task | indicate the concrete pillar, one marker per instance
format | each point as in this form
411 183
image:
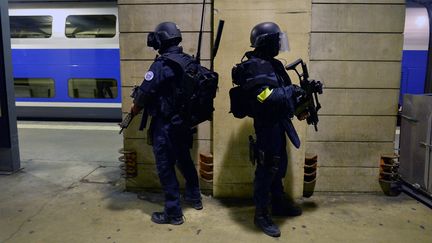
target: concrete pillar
9 153
356 49
233 173
136 19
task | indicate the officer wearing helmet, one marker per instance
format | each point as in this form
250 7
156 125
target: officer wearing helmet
169 131
272 101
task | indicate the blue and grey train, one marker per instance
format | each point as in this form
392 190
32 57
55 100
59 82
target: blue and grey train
415 51
66 61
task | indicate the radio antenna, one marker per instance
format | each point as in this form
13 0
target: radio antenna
198 55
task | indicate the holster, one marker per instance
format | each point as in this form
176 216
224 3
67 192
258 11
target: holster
275 164
258 156
253 150
267 160
150 134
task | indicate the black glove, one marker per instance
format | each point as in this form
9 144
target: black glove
301 102
299 95
317 86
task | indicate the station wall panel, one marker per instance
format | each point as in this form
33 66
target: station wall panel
356 46
358 18
379 102
136 19
357 74
354 128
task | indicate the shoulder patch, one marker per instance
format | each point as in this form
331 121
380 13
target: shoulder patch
149 76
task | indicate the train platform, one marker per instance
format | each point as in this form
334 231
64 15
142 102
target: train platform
69 191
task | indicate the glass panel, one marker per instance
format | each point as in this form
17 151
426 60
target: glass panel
31 26
90 26
34 87
95 88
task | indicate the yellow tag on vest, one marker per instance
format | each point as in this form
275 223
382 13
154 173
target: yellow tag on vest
264 95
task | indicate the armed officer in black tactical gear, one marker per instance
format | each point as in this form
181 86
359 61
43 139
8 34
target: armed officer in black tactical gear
272 102
170 132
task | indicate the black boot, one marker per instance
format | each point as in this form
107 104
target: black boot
162 218
195 203
263 221
284 207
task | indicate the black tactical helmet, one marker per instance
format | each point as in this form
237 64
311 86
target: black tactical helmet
166 33
262 33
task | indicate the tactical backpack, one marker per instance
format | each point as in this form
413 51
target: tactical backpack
196 91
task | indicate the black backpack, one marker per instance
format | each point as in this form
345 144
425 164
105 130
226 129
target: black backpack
197 90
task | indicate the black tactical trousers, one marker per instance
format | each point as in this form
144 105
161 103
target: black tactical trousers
171 147
269 172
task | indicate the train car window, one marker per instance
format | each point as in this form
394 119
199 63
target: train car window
34 87
90 26
31 26
93 88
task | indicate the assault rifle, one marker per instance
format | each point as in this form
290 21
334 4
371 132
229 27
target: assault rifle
308 102
128 118
125 122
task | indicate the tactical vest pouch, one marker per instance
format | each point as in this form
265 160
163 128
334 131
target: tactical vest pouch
239 102
202 99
